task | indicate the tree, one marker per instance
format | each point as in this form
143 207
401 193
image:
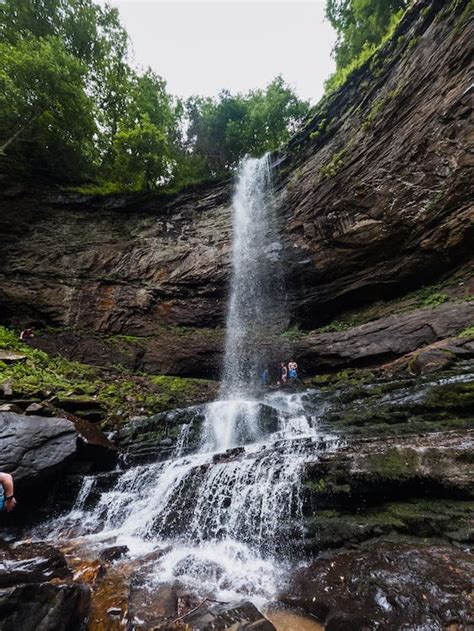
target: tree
92 44
222 131
360 23
144 156
46 118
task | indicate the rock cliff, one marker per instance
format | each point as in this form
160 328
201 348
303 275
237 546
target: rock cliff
375 191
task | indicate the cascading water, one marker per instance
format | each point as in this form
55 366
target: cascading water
224 517
257 305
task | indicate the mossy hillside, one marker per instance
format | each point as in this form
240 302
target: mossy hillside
119 392
419 517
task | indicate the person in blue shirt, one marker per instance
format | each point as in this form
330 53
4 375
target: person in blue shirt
293 370
7 497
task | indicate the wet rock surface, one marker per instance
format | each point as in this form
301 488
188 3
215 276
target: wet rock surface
388 584
242 617
31 563
44 607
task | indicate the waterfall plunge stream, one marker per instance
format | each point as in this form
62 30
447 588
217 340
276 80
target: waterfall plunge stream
224 513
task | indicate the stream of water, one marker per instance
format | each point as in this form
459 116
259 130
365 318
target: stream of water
223 516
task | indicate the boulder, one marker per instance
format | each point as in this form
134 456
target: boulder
31 563
387 584
44 607
33 448
384 339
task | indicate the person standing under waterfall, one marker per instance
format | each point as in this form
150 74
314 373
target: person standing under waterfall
293 370
265 378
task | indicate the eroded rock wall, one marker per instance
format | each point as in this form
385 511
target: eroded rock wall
374 191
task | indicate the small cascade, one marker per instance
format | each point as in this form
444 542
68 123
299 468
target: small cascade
229 515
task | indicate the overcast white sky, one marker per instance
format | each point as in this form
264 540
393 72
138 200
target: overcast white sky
203 47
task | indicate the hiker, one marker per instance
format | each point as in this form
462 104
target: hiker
265 378
283 373
293 370
7 498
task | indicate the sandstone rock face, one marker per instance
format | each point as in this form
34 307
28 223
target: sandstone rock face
126 265
375 190
201 354
379 182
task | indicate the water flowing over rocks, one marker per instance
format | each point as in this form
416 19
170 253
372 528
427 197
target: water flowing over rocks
350 497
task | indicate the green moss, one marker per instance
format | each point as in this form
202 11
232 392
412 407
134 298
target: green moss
119 392
435 299
393 463
292 333
469 332
332 167
379 106
453 396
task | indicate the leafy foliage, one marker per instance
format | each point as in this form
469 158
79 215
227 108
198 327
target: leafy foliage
74 111
223 130
361 26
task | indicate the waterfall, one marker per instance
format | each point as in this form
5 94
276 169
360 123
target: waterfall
257 308
257 305
226 518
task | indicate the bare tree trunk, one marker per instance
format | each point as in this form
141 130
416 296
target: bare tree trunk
18 133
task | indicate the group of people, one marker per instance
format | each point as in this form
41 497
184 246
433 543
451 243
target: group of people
287 374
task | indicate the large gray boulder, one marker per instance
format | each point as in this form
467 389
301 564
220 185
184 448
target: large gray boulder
34 448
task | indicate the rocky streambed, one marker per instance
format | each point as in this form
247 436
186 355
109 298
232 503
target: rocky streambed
378 534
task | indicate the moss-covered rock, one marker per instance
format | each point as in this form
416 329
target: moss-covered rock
114 394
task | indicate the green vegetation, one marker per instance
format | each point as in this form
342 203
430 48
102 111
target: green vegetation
223 130
436 298
419 517
73 111
119 392
468 332
362 26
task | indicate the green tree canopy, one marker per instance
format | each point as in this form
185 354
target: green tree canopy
359 24
222 130
46 117
73 110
